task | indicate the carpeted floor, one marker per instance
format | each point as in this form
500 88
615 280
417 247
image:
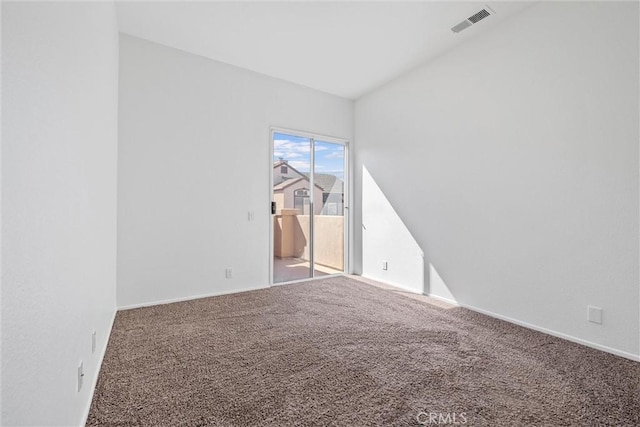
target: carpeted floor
346 353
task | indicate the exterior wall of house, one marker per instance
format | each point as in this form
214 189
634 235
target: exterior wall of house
285 198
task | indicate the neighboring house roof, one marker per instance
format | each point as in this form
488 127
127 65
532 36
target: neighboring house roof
278 179
329 183
326 182
288 182
285 163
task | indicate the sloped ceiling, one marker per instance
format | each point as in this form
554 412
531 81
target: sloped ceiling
343 48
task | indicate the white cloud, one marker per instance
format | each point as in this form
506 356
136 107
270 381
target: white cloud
290 150
287 155
287 146
335 155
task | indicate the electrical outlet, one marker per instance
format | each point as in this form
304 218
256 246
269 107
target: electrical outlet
93 342
228 273
385 265
594 314
80 376
251 216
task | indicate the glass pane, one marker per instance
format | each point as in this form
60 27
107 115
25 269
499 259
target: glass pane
329 221
291 194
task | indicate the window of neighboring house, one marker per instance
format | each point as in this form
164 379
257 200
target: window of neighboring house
301 200
331 208
284 169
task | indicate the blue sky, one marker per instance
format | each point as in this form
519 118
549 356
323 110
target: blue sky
296 150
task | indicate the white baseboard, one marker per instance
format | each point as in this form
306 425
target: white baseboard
626 355
443 299
94 383
147 304
395 285
190 297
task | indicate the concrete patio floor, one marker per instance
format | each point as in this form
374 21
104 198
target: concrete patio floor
290 269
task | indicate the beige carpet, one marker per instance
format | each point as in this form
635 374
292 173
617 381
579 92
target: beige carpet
342 352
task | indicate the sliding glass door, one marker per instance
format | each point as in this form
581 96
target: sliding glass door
308 206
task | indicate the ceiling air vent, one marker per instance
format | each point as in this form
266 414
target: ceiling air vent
473 19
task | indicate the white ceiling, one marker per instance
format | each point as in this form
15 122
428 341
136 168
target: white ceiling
343 48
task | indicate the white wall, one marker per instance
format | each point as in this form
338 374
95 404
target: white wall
384 228
193 161
59 130
513 163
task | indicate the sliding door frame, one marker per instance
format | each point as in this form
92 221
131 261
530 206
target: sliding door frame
346 195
